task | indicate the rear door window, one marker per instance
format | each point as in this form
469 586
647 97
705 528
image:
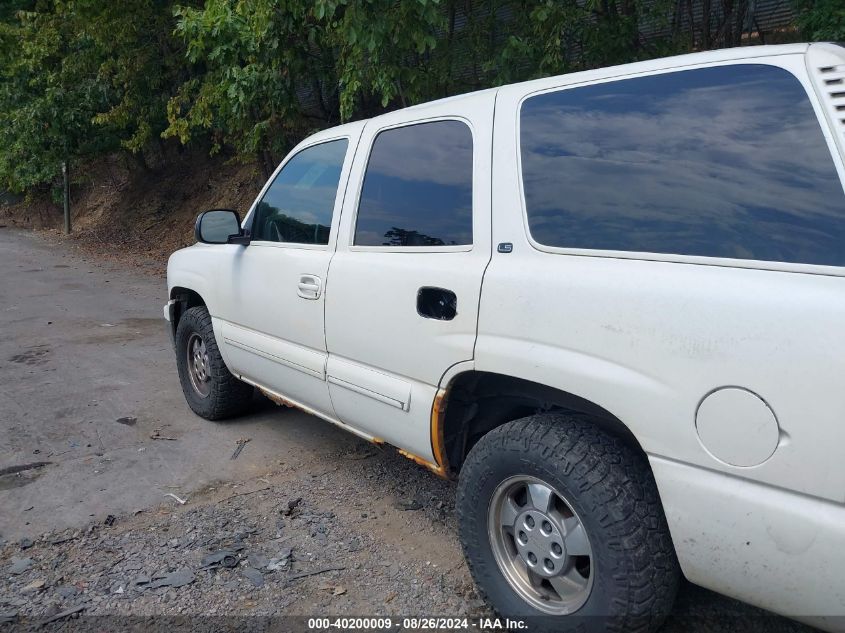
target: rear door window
727 161
417 188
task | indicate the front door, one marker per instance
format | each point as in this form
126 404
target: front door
271 322
404 285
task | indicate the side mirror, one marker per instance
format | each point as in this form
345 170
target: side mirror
220 226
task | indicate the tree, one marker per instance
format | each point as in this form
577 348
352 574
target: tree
48 96
81 78
252 64
140 66
821 20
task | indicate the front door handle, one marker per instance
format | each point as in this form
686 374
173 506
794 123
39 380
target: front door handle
309 287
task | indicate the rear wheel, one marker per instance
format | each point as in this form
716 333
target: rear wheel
562 524
209 387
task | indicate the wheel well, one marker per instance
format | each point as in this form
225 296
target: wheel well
185 298
477 402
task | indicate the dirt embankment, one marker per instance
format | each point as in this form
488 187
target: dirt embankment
125 212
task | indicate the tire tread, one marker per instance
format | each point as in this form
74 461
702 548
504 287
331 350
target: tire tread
616 481
229 396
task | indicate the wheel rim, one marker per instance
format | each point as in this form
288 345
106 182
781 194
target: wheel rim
199 368
540 545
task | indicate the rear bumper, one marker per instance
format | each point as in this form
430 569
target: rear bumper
776 549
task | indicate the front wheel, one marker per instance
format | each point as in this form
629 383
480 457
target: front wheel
210 389
562 524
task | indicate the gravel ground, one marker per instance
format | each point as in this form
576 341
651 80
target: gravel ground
310 538
394 554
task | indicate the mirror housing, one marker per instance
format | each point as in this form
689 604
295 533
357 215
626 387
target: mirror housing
220 226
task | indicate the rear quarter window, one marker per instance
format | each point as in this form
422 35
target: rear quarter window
727 161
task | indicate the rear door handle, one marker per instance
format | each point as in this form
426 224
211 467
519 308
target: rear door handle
437 303
309 287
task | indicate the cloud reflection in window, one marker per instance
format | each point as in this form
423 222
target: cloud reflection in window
417 189
723 162
299 205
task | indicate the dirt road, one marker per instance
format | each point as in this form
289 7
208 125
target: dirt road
95 434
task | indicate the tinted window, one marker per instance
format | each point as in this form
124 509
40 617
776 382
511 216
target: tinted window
721 162
298 205
418 187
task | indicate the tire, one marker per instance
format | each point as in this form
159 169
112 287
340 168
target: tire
214 394
629 577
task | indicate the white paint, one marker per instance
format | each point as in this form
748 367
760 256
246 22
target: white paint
767 546
372 325
737 427
369 382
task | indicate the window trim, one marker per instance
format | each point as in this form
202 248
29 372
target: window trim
796 68
446 248
336 209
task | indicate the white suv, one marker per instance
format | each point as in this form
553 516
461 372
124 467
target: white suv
611 303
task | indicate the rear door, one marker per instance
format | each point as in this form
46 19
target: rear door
404 284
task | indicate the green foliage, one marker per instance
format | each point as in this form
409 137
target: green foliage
554 37
79 78
264 72
821 20
140 66
385 50
47 97
247 59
